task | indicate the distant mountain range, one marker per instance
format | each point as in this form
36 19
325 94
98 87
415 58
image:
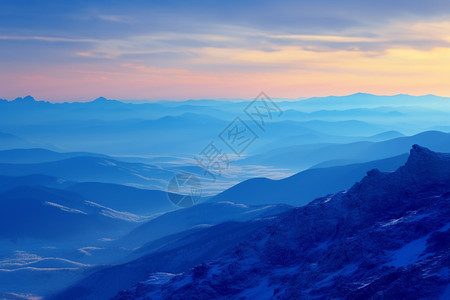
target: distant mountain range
94 169
363 100
10 141
110 126
305 156
40 155
10 182
303 187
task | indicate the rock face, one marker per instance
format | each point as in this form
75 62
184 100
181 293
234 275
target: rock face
388 237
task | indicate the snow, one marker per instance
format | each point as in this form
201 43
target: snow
86 250
28 261
105 239
259 209
107 163
111 213
264 219
411 217
233 204
201 226
22 296
159 278
409 253
65 208
327 199
392 222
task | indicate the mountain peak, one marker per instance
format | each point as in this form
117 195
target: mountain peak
424 170
101 99
420 155
361 94
374 173
27 99
419 151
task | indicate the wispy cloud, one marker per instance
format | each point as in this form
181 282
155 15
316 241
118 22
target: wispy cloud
47 39
231 48
326 38
117 18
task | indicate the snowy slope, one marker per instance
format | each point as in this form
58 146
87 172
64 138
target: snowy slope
205 214
51 214
385 238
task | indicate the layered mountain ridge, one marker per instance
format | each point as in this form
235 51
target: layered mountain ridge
387 237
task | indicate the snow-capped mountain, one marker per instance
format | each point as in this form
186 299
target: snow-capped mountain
388 237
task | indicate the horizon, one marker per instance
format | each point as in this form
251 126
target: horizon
236 100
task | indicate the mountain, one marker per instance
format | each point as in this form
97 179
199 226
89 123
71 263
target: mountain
95 169
317 138
124 198
385 238
57 268
174 252
27 99
304 186
306 156
6 137
347 114
363 100
110 126
29 273
343 128
39 155
10 182
387 135
8 141
114 136
204 214
50 214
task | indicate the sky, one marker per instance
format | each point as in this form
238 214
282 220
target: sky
177 50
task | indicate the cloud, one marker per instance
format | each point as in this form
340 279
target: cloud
47 39
117 18
295 48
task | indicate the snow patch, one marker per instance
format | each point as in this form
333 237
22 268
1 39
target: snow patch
409 253
201 226
86 250
114 214
233 204
107 163
159 278
65 208
259 209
